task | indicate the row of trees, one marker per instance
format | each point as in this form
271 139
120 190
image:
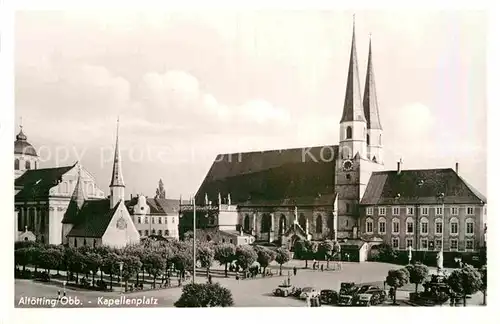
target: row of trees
461 282
312 250
157 258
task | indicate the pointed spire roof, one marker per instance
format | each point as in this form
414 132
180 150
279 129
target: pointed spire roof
79 195
370 103
117 176
353 107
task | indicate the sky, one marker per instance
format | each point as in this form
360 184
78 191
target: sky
188 85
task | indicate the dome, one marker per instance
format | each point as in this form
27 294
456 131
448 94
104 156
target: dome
21 145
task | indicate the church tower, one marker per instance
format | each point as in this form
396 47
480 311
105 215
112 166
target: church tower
117 186
355 164
370 106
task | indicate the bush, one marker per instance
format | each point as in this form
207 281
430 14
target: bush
205 295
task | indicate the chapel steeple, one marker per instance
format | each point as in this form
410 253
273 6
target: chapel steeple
117 186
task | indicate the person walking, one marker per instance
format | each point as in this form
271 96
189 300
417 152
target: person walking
322 267
294 271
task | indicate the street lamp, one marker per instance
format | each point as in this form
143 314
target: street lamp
121 269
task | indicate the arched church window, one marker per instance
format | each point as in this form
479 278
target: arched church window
319 224
84 242
302 221
265 225
282 225
28 165
347 208
246 222
368 139
16 164
75 242
380 139
348 132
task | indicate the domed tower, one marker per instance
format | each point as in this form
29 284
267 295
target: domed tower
25 156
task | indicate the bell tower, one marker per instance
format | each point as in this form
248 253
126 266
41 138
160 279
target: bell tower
352 149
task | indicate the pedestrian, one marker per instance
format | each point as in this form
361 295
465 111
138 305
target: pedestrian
294 271
288 281
321 267
59 294
237 277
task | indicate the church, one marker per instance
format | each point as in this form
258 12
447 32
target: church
341 192
63 205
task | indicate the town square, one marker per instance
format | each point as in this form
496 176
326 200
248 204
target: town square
359 180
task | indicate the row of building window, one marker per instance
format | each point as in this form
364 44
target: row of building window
94 242
348 135
27 165
153 232
425 244
154 219
423 210
424 226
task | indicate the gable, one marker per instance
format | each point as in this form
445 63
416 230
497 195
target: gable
92 220
120 229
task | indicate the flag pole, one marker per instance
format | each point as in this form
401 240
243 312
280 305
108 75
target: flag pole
194 239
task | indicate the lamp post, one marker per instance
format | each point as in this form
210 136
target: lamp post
194 239
121 270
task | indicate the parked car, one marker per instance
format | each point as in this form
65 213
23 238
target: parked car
297 292
377 295
364 300
284 291
348 291
345 300
329 297
308 292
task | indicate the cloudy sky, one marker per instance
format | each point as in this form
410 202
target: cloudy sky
190 85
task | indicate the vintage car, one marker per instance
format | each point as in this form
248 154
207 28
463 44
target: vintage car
284 291
347 293
364 300
377 295
308 292
345 300
328 297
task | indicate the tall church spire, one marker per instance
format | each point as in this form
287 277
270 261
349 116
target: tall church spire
117 186
353 108
370 103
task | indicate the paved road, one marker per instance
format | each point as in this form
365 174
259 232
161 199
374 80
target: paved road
246 293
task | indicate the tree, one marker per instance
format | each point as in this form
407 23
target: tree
282 257
484 279
385 253
94 262
417 274
224 254
245 256
131 266
205 295
22 257
300 250
328 249
397 279
465 281
154 264
205 255
264 256
188 235
110 266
